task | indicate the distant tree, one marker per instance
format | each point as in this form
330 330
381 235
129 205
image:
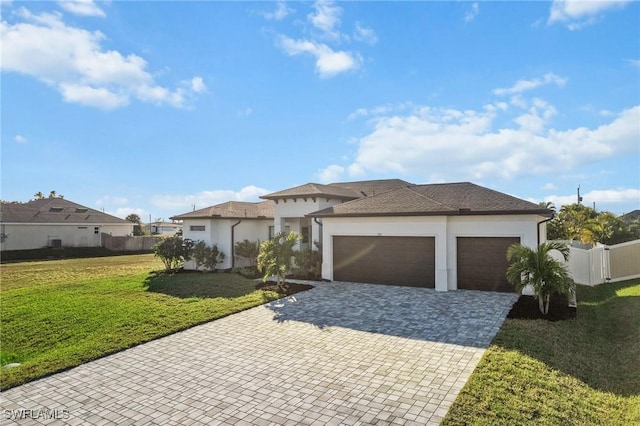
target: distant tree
52 194
38 195
547 205
138 229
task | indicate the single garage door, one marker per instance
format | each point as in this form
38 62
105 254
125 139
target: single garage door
406 261
482 263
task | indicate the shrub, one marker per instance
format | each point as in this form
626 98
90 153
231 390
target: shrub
308 263
207 256
173 252
248 250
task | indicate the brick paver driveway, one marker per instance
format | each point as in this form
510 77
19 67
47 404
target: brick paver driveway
338 354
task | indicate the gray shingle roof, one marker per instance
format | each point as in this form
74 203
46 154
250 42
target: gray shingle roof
232 210
341 190
435 199
54 211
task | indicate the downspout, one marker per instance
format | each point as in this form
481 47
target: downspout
315 219
541 222
233 256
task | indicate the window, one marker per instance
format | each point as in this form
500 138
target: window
272 232
196 228
96 230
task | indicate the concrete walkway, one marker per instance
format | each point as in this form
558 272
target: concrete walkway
338 354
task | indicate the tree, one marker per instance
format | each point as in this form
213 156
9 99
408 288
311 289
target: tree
173 252
206 256
537 268
138 229
38 195
274 257
547 205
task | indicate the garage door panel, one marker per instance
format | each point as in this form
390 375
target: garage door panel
385 260
482 263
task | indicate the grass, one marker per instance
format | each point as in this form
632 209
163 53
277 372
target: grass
580 371
62 313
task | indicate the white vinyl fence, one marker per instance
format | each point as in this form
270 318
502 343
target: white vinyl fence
604 264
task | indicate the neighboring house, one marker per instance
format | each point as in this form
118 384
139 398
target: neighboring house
226 224
56 222
444 236
164 228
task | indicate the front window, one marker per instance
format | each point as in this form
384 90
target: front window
196 228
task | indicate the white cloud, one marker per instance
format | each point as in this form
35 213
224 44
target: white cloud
464 144
366 35
281 12
577 14
549 187
604 196
332 173
183 203
245 112
123 212
108 200
634 62
525 85
20 139
82 7
328 62
326 18
73 61
197 85
472 12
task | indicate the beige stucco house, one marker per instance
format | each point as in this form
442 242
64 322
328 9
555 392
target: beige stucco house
445 236
56 222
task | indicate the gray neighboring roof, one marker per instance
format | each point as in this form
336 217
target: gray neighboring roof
55 211
231 210
462 198
341 190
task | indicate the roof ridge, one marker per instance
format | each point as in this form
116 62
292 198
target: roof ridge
411 188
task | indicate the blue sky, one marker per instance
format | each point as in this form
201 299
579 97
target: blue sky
154 107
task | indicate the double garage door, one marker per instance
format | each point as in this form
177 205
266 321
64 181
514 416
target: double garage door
410 261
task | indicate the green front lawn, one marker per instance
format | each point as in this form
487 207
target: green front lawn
59 314
582 371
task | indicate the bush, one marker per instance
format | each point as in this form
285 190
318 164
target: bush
248 250
308 263
275 255
173 252
207 257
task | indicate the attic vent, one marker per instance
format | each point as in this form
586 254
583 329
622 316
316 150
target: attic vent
56 209
78 210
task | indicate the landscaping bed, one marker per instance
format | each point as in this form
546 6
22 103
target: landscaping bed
527 308
291 288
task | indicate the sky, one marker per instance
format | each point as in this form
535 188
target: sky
157 107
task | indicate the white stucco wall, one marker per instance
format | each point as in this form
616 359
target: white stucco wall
286 212
445 230
35 236
218 231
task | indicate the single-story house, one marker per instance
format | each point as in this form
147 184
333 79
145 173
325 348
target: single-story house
56 222
227 224
164 228
444 236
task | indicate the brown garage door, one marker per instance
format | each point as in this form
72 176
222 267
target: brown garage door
482 263
406 261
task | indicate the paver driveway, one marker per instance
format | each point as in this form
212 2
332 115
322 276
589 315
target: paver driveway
338 354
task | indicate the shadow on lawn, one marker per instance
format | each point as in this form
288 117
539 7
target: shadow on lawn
199 285
601 347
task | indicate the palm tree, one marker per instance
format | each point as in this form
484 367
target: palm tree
39 195
274 257
537 268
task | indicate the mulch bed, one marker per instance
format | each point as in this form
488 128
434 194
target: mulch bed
292 288
527 308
